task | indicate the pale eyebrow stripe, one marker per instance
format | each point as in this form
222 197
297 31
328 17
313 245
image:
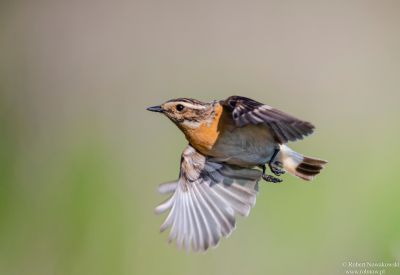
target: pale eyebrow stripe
192 106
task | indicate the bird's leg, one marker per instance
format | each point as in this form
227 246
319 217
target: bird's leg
269 178
274 169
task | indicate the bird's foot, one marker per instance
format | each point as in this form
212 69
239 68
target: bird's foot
277 171
270 178
274 165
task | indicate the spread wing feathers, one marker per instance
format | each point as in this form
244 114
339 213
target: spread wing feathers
205 200
284 126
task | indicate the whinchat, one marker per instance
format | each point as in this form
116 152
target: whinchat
218 178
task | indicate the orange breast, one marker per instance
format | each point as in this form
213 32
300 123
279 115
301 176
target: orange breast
205 136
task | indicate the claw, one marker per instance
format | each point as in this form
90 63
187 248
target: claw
270 178
275 165
276 171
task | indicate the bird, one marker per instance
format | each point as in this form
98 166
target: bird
230 144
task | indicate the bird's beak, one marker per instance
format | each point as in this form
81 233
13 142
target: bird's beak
157 109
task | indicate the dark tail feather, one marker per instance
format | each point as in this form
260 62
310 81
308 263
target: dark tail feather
298 165
309 168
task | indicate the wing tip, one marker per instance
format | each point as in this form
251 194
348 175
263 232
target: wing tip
204 212
167 187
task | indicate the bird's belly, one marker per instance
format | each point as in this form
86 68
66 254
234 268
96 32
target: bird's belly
247 146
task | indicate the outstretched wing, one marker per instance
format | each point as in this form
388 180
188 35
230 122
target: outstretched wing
283 126
205 200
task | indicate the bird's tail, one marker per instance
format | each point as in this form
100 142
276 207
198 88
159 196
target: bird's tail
298 165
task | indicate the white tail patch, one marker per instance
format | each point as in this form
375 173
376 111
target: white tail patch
298 165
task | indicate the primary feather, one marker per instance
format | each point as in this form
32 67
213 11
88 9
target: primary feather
204 203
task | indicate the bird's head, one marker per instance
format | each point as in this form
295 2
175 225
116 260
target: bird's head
186 113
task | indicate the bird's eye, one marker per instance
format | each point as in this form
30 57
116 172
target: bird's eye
180 107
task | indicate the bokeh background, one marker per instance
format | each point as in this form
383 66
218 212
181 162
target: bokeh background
80 158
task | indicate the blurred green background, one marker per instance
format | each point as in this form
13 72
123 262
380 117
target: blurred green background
80 158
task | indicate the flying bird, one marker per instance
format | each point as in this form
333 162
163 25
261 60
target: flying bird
218 179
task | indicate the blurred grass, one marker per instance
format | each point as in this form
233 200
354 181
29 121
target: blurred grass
80 158
69 210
